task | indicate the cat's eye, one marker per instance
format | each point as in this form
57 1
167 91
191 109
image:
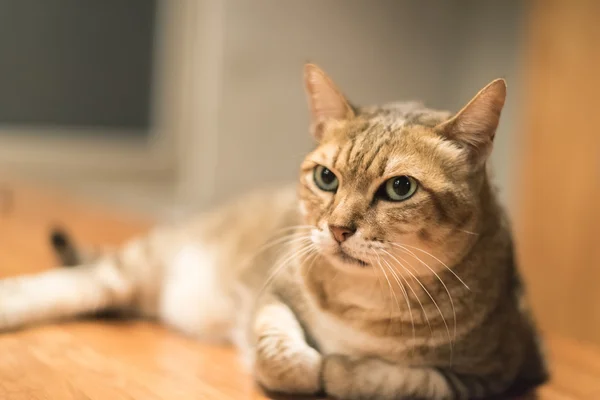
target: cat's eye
399 188
325 179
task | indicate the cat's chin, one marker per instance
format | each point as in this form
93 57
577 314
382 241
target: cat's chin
348 259
346 262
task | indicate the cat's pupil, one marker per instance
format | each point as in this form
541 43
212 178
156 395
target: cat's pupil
327 176
401 185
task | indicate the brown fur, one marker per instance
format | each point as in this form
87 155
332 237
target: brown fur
419 298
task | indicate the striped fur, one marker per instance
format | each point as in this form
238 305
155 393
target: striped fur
424 301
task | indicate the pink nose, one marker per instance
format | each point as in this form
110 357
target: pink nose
341 233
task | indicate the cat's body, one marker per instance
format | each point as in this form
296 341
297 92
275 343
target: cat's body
330 285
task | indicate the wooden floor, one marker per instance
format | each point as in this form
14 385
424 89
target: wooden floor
140 360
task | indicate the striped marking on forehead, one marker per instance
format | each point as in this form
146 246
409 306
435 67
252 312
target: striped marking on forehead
363 144
390 122
379 154
363 152
393 116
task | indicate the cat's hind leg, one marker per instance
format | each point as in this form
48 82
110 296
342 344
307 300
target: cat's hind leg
63 293
113 281
165 275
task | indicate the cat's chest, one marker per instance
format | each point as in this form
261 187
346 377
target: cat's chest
335 336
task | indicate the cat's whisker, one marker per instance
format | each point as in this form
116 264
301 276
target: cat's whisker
435 258
292 227
391 289
294 239
412 290
468 232
282 264
441 281
372 262
450 340
274 242
315 256
405 293
296 231
445 288
291 255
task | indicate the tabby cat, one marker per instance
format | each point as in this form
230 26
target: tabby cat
387 272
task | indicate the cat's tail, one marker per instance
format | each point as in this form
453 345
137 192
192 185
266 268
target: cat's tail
66 251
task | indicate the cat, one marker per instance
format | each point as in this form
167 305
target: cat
387 271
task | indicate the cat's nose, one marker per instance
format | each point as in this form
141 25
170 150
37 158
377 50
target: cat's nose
341 233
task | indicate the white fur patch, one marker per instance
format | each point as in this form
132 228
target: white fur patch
192 297
336 337
239 333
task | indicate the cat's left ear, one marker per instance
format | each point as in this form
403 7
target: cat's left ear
325 100
475 125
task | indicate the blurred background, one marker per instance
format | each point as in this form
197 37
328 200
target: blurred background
167 106
188 102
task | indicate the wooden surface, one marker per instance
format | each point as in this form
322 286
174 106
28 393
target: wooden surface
140 360
98 359
559 200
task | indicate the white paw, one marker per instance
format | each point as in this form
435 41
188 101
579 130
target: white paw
292 372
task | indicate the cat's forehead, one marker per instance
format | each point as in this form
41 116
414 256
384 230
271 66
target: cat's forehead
395 116
371 147
374 147
393 122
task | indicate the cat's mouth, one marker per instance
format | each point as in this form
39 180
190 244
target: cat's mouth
349 259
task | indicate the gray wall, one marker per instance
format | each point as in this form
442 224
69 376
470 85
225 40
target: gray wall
377 51
241 119
84 63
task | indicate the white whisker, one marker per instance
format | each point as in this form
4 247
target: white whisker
441 281
447 292
450 339
372 262
413 291
275 241
390 288
282 264
315 256
438 260
468 232
405 294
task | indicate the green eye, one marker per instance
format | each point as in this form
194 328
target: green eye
325 179
399 188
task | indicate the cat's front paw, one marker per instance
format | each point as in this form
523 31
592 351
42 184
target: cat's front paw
293 372
337 376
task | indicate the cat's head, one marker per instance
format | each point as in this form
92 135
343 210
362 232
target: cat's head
399 183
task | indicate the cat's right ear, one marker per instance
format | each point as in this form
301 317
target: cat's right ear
325 100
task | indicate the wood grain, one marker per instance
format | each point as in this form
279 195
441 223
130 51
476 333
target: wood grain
107 359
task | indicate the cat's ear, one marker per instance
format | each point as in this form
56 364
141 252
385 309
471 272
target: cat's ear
325 100
475 125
